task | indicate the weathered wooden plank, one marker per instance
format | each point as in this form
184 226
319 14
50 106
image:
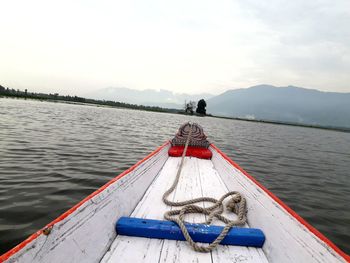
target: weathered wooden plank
212 185
73 236
287 240
197 179
189 187
132 249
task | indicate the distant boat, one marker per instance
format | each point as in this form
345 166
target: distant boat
87 231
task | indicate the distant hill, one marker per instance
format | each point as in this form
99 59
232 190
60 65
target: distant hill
285 104
161 98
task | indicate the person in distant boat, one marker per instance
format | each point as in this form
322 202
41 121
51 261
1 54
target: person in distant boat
201 107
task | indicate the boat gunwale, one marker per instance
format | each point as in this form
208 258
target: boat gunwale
35 235
294 214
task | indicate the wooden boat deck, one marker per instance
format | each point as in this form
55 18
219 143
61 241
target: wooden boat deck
198 178
86 232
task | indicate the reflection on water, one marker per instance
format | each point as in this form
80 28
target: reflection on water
52 155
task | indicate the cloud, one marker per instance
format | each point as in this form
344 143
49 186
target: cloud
184 46
311 41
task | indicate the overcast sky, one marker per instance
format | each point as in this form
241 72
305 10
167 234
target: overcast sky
73 47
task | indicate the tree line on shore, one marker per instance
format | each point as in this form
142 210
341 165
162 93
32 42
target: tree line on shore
7 92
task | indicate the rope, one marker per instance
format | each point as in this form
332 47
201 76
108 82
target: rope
197 139
237 205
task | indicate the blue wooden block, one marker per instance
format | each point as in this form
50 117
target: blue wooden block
131 226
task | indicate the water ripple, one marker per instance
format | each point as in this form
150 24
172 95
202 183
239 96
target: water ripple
52 155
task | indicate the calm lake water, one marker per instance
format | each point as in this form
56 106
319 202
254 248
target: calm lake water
52 155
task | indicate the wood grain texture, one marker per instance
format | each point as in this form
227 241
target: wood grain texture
85 234
212 185
287 240
197 179
189 187
88 234
134 249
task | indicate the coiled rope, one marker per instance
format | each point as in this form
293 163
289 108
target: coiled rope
197 138
237 204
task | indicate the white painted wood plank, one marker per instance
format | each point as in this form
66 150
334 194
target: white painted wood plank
85 234
152 206
134 249
213 186
198 178
189 187
287 240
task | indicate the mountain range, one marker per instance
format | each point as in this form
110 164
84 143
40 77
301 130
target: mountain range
262 102
285 104
148 97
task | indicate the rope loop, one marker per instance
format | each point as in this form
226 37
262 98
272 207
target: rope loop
236 204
